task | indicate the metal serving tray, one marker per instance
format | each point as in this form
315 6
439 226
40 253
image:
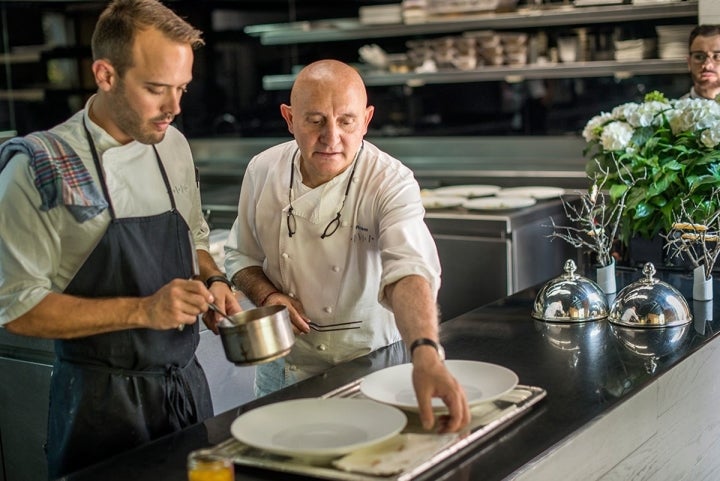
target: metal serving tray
485 423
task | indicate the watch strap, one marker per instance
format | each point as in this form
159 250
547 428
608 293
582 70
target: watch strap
212 279
424 341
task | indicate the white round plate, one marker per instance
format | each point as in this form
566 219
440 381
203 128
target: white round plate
441 201
499 203
316 428
466 190
536 192
482 382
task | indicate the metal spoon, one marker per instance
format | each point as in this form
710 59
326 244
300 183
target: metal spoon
220 311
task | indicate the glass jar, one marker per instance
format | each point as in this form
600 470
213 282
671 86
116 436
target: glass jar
204 465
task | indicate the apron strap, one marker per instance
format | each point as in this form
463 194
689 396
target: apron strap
179 400
101 176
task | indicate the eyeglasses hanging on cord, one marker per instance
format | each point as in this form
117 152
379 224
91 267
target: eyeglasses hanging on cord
334 224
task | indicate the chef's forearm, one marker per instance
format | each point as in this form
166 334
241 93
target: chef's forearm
414 307
253 282
208 267
61 316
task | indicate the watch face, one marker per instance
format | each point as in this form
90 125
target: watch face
441 352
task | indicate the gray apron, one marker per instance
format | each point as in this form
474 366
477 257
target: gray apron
115 391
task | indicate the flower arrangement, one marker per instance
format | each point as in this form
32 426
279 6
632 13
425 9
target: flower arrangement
653 156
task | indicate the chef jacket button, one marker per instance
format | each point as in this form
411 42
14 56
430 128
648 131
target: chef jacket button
292 367
336 268
291 294
322 347
327 309
285 255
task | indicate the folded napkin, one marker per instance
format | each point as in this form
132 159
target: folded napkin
395 455
60 176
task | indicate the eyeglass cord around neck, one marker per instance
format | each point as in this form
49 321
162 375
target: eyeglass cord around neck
334 224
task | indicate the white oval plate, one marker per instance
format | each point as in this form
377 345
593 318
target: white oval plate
499 203
316 428
536 192
482 382
466 190
441 201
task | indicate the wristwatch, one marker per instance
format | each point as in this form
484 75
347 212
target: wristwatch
424 341
210 280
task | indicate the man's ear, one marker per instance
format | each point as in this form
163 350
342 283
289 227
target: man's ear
104 73
286 112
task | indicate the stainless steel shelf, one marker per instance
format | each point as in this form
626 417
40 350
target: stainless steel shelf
20 57
351 29
509 73
23 95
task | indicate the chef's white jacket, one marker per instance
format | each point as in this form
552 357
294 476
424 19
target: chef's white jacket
42 250
382 238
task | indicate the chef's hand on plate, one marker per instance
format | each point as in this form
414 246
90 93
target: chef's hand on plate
227 302
431 379
295 309
178 302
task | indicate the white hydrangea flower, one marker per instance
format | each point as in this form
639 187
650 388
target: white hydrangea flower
693 115
710 137
624 111
616 136
647 114
591 130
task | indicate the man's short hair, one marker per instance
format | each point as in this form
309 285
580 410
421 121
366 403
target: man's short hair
703 31
122 19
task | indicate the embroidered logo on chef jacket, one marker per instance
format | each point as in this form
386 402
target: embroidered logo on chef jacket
363 234
180 189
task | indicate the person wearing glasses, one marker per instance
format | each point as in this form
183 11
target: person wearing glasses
704 62
332 227
99 216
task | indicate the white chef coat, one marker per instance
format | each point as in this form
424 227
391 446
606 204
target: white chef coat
691 95
382 238
40 251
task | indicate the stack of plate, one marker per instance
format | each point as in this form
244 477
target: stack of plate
380 14
673 40
455 195
633 50
488 197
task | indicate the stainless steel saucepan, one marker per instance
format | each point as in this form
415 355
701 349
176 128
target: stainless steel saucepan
257 335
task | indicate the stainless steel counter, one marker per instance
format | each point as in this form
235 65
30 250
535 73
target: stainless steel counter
487 256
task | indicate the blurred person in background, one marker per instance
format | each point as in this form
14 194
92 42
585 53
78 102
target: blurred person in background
704 62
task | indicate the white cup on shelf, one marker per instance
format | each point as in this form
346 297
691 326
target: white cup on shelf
567 49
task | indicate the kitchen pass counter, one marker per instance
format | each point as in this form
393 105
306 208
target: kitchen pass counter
620 404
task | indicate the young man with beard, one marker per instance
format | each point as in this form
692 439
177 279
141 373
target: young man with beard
99 217
704 61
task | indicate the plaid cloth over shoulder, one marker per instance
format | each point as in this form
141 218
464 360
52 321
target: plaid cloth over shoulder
60 176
